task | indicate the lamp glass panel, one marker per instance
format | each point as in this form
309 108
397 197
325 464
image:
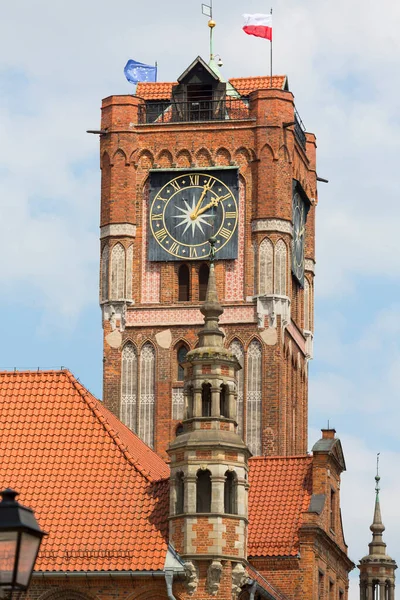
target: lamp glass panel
27 556
8 550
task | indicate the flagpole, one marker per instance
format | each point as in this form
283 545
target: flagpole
156 66
271 52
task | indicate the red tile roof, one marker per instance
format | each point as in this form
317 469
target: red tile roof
155 91
244 85
95 487
280 491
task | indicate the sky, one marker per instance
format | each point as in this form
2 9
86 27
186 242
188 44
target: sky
59 59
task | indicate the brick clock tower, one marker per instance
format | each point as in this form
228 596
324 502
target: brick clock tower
182 162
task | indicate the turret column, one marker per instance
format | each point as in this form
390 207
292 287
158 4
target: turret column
211 534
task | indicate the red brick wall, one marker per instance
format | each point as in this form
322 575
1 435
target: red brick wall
268 157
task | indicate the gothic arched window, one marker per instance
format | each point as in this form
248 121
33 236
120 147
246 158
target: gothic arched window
117 272
280 268
183 283
265 270
129 386
206 400
230 493
181 357
203 491
204 273
147 394
237 350
105 256
254 416
180 493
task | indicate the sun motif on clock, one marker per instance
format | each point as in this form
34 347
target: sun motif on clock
189 208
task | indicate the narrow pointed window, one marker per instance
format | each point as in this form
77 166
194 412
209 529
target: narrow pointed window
147 394
206 400
204 273
129 386
253 405
117 272
129 261
280 268
181 357
105 256
306 305
265 269
183 284
203 491
237 349
230 493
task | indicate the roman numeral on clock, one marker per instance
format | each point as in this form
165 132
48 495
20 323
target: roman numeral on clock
175 185
156 217
174 249
194 179
161 235
192 252
230 215
225 233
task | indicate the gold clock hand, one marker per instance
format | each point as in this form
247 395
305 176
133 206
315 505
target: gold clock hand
203 193
214 202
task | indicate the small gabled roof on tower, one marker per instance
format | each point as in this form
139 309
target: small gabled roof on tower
198 62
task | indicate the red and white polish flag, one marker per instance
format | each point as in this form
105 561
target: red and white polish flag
258 25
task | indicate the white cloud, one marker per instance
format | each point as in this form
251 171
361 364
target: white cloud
58 59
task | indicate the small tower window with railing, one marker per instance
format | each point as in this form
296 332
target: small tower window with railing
206 400
180 493
203 491
230 493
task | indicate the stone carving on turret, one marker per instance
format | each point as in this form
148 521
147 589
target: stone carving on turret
192 577
214 574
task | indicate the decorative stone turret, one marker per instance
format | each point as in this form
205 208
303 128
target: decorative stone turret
209 461
377 568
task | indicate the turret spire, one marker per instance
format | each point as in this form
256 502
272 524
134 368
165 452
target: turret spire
370 578
211 335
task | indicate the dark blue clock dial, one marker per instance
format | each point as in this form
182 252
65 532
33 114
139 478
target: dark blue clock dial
299 214
186 209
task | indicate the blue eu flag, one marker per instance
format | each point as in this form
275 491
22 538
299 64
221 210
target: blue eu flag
137 71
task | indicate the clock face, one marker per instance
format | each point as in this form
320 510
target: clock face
299 224
186 209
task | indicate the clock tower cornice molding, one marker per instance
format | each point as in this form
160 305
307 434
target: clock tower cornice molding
279 225
117 230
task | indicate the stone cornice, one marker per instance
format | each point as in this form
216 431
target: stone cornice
279 225
309 265
118 230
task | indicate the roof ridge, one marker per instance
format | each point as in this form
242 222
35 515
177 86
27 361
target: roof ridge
282 457
91 402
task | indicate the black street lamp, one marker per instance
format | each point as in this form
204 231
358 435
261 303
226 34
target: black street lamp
20 539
